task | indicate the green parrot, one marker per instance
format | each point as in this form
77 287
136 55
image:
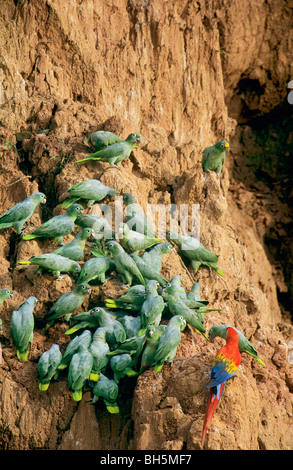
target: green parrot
55 264
114 154
21 212
131 324
67 304
169 341
177 306
152 308
153 257
214 156
5 294
101 139
95 269
75 249
194 293
58 226
99 349
125 264
115 332
48 366
152 336
244 344
22 327
131 300
90 190
71 348
79 369
122 366
176 281
100 225
108 390
147 271
135 241
192 249
136 218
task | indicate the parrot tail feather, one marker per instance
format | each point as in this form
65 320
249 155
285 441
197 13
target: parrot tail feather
217 269
62 366
113 409
71 330
30 236
22 356
259 360
158 367
70 200
24 262
43 387
77 395
205 336
213 401
141 332
94 376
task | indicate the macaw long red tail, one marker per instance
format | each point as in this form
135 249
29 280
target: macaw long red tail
213 401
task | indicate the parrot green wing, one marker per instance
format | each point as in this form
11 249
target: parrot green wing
128 264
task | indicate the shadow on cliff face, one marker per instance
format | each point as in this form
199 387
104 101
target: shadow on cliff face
263 164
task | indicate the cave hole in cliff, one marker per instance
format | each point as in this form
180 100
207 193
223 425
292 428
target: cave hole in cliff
264 165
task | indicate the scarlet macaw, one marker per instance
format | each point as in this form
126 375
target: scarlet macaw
225 366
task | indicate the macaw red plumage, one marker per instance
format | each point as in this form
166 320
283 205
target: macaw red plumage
225 366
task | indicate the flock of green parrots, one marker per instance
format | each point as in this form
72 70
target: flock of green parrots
141 328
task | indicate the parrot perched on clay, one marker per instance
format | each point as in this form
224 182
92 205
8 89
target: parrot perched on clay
192 249
152 308
226 363
5 294
100 225
244 344
101 139
122 366
153 257
114 154
58 226
83 320
152 336
115 332
131 300
136 218
72 347
108 390
147 271
54 264
95 269
99 349
17 215
125 264
169 341
90 190
67 304
194 293
79 369
75 249
176 281
22 327
177 306
214 156
48 366
135 241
